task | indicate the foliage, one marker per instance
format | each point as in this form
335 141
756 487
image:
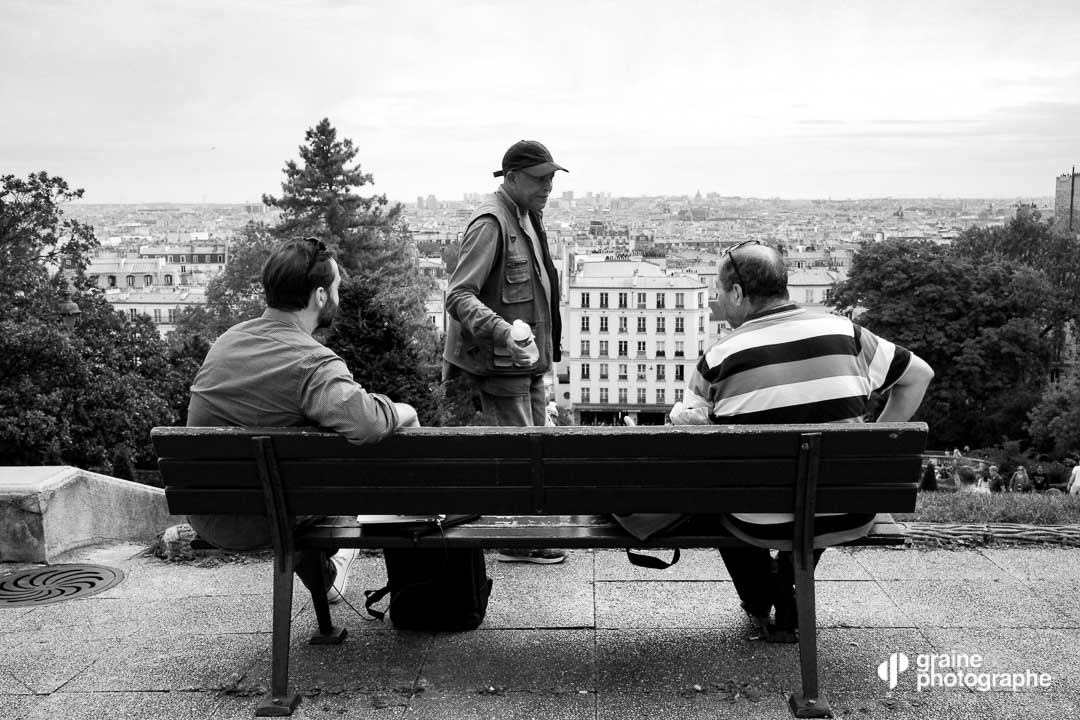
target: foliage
86 396
1054 422
978 323
1027 508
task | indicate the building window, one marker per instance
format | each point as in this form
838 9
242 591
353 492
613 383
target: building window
701 300
660 325
183 258
157 315
584 371
584 348
603 348
659 301
584 323
622 324
168 258
603 300
622 396
148 280
584 300
623 348
679 373
221 258
641 301
585 395
641 371
603 323
809 295
641 396
679 327
172 315
183 269
679 349
168 279
623 370
603 371
700 347
603 395
678 394
679 300
112 281
622 300
641 348
133 313
660 351
661 371
701 323
660 396
641 325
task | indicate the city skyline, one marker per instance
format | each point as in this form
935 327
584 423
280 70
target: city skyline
193 103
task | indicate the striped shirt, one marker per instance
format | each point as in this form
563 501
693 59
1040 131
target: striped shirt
792 365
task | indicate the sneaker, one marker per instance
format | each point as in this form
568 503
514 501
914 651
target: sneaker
542 556
340 564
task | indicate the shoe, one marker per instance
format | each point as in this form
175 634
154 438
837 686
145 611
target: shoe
762 628
340 564
542 556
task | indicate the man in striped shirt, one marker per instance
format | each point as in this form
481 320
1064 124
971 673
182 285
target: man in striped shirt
786 364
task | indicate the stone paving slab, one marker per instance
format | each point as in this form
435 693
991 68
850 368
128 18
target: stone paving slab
1062 595
674 660
20 707
920 564
1035 562
45 667
666 605
10 685
694 565
514 660
505 706
124 706
694 706
1017 651
182 663
857 604
971 603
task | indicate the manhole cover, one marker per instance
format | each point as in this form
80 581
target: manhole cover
42 586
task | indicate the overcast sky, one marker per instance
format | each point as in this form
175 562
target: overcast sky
145 101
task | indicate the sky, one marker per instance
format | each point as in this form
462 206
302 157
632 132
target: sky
196 101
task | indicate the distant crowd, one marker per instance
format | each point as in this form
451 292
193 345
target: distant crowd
956 471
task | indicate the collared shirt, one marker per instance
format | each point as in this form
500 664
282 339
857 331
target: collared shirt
270 372
527 225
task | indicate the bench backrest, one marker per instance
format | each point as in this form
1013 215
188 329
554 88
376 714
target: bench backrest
536 471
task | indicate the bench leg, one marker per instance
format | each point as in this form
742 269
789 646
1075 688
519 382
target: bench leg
313 573
809 703
279 702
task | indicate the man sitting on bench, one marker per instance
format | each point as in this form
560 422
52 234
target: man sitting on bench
271 372
786 364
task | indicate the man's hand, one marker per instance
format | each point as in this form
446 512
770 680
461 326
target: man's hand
519 354
407 416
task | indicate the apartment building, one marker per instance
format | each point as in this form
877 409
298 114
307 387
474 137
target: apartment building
633 335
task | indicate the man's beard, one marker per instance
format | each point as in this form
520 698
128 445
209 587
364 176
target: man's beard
326 314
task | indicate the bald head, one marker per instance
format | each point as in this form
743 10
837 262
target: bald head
759 270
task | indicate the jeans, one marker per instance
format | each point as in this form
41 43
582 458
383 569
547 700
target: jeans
761 585
511 400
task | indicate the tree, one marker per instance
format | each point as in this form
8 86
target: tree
1055 420
383 332
86 396
978 324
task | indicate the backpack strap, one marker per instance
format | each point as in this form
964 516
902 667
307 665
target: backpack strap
648 561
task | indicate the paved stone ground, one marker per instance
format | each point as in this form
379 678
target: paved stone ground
592 638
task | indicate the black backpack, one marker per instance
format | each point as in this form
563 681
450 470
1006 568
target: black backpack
433 590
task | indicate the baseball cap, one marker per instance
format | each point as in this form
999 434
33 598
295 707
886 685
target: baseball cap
530 156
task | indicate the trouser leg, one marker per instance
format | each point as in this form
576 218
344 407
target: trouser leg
751 571
784 600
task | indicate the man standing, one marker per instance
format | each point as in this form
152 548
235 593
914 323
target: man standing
271 372
505 273
786 364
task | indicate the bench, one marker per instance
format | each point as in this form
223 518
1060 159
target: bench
539 487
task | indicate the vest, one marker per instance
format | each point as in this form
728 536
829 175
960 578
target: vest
512 291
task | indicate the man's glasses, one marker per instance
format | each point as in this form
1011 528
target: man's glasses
730 254
318 251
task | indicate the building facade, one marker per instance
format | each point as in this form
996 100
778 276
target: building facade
633 334
1067 202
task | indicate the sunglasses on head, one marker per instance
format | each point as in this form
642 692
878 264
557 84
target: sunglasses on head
730 254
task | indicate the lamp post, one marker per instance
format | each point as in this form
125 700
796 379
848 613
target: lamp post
68 311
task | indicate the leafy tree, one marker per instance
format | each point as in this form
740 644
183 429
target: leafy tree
1055 420
86 396
978 324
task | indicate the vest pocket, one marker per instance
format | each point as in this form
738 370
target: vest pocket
518 286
